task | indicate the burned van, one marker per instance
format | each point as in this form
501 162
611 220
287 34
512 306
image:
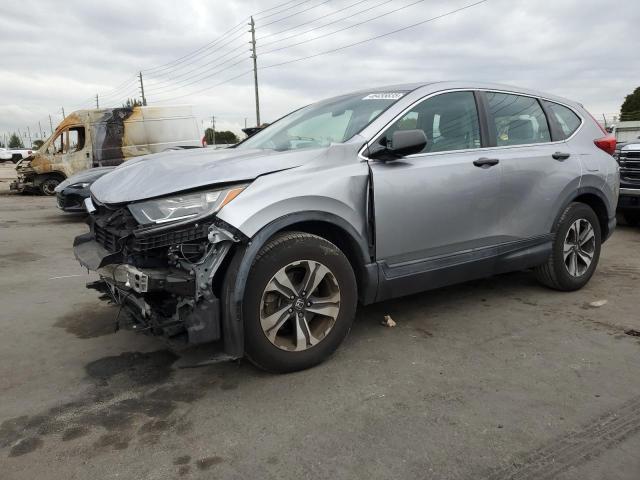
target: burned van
104 137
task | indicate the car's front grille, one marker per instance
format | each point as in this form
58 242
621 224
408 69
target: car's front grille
171 237
629 167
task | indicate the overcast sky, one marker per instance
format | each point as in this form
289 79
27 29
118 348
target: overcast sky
59 54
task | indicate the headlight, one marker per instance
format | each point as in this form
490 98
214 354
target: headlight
181 207
80 185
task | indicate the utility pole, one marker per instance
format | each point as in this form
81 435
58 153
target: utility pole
144 100
63 115
97 102
213 127
255 68
50 124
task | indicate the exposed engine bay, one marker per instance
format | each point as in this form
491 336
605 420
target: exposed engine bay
162 276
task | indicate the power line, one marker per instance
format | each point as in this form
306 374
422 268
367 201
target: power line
324 35
207 46
311 21
213 63
378 36
295 14
199 77
169 71
384 2
413 25
213 74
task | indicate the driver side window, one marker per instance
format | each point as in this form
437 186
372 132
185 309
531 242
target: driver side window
449 121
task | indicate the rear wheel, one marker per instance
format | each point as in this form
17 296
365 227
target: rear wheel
48 186
299 302
576 250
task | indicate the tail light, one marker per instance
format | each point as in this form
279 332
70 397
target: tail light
608 144
29 152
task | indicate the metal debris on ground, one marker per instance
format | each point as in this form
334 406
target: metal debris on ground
388 321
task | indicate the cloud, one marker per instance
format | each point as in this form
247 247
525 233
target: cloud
62 53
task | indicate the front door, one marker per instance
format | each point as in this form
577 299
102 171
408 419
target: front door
440 206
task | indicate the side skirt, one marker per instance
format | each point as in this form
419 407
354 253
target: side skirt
417 276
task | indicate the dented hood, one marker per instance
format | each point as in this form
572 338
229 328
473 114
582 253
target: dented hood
175 171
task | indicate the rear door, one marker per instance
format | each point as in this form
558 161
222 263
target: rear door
441 201
537 172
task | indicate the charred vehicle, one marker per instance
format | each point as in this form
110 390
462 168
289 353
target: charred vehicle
101 138
270 245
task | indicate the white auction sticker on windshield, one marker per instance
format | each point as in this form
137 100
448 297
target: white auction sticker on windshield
384 96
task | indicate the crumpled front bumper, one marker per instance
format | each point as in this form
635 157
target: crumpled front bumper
160 301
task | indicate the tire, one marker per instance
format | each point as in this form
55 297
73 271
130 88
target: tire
282 334
556 272
15 158
632 217
48 185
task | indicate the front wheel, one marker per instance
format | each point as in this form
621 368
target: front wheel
299 303
48 186
576 250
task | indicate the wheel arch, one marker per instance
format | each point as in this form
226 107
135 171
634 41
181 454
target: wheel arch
595 199
326 225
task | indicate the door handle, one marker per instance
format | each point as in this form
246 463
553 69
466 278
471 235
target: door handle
561 155
486 162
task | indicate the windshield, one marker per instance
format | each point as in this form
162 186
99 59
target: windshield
331 121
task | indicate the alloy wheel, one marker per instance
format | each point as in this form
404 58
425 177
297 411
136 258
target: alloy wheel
579 247
300 305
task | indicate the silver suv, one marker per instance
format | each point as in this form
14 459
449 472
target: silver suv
268 247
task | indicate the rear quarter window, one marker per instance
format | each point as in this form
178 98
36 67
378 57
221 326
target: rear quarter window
566 119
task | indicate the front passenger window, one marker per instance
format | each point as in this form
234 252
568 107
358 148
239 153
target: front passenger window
449 121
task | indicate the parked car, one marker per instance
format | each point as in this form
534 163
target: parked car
102 138
628 156
14 154
71 193
268 246
5 154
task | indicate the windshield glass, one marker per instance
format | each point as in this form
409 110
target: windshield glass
331 121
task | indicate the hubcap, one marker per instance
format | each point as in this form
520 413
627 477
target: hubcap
300 305
579 247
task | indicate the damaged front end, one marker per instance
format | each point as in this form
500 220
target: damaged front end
26 177
163 275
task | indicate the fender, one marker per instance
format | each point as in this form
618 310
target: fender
238 272
611 222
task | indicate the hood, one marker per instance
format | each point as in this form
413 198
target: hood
165 173
86 176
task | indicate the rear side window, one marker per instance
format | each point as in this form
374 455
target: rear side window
566 119
518 120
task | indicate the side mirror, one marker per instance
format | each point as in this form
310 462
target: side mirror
403 143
